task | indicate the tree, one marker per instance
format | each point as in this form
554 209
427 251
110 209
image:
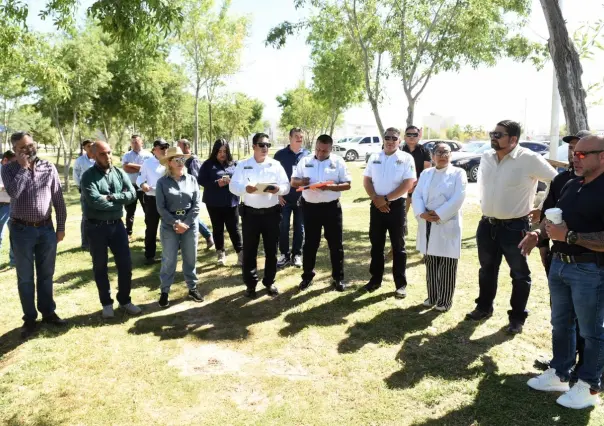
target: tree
454 133
421 38
567 64
300 108
70 74
212 44
589 39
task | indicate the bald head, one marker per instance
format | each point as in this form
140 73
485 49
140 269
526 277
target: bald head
102 154
588 158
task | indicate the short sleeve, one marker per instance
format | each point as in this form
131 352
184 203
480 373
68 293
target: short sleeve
125 159
344 175
427 155
298 170
369 169
410 172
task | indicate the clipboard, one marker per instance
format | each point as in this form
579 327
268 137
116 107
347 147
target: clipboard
261 187
315 185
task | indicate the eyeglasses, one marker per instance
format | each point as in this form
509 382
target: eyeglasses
582 154
179 160
442 153
412 135
497 135
391 138
163 148
263 145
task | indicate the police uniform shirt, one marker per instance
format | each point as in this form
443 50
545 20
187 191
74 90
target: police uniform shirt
387 172
331 169
582 208
249 172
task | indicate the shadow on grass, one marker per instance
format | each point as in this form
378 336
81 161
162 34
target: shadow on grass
389 326
228 318
503 400
11 340
428 355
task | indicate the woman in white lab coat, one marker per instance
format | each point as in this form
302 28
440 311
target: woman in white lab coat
437 202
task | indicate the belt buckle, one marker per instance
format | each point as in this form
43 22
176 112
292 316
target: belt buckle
492 220
36 224
180 212
565 258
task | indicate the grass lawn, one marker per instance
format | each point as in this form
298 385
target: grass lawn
312 358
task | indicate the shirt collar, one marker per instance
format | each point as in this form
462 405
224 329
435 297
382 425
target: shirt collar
515 152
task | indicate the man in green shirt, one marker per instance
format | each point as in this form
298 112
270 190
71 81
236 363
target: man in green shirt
106 190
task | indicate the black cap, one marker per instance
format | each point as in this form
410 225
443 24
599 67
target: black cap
580 135
160 142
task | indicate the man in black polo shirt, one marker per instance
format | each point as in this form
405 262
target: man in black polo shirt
421 156
576 279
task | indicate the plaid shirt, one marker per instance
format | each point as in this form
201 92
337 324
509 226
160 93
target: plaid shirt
34 192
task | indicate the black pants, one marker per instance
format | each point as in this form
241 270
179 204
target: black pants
495 241
131 209
441 276
394 223
228 217
113 237
256 223
580 340
327 216
152 223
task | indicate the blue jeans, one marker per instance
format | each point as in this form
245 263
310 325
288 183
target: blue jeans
286 213
83 235
34 246
204 230
114 237
577 291
494 242
4 217
170 242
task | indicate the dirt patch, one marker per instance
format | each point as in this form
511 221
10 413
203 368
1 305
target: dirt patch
211 359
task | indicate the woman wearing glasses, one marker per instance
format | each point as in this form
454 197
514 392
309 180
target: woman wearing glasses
437 201
177 196
215 176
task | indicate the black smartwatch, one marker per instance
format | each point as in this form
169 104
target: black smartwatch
571 237
386 198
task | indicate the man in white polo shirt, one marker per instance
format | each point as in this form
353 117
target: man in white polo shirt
132 162
387 179
260 213
321 208
507 181
150 172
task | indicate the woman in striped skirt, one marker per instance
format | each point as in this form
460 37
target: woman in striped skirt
437 202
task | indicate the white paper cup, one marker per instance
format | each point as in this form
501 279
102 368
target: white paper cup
554 215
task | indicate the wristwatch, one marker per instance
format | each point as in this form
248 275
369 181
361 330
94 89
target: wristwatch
386 198
571 237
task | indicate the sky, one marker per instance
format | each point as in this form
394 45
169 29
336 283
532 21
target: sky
478 97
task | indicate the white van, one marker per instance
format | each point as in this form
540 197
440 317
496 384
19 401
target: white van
358 147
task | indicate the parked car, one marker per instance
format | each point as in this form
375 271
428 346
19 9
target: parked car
454 145
344 140
468 149
471 162
538 147
358 147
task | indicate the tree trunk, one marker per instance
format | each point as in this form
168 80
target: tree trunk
410 110
567 64
67 158
196 129
210 129
6 123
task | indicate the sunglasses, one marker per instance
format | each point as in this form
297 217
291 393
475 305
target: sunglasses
412 135
163 148
582 154
391 138
263 145
442 153
497 135
179 160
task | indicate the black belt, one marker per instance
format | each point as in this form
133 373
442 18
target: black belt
180 212
44 222
495 221
326 203
103 222
4 204
577 258
268 210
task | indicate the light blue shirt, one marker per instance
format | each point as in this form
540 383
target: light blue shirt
82 163
135 158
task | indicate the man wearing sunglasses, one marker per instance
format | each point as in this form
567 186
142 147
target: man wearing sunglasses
507 180
150 172
576 279
387 179
260 180
421 156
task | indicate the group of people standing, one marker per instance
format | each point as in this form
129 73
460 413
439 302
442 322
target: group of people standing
266 192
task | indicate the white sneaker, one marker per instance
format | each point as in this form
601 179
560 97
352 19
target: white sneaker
108 312
428 304
579 397
400 293
548 382
298 261
441 308
221 258
131 309
283 261
240 258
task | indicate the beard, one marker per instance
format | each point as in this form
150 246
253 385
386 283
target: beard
495 145
32 155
